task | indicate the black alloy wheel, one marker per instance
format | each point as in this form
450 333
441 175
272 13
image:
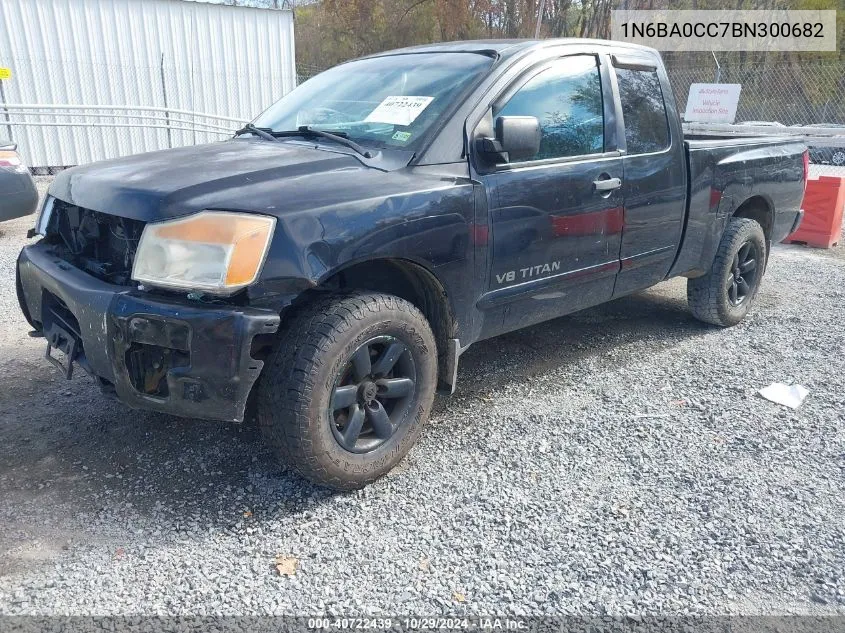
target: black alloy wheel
742 276
724 294
372 394
348 387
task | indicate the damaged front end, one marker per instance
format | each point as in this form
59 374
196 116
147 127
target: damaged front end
154 350
102 245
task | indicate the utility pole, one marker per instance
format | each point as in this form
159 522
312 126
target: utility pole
6 110
718 78
539 19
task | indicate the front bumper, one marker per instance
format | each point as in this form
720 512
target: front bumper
179 357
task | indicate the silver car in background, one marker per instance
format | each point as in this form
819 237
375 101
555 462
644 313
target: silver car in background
18 196
829 155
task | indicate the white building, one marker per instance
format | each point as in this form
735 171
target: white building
164 62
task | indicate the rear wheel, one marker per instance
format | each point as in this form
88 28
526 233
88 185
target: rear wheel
348 387
724 295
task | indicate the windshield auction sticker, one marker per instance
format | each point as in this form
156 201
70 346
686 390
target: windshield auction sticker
398 110
727 30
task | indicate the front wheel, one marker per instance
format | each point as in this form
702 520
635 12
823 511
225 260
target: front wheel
724 295
345 393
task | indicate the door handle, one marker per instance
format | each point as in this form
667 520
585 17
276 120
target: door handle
608 184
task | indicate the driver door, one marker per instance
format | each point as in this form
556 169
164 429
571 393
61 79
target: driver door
556 218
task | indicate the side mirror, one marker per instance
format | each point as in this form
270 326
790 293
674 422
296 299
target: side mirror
517 138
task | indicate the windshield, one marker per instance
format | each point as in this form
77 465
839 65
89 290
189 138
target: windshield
382 101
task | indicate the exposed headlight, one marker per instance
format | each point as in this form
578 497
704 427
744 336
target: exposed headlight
44 215
213 251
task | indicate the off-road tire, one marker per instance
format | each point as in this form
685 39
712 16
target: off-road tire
708 296
295 391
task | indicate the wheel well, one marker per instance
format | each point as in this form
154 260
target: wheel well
409 281
757 209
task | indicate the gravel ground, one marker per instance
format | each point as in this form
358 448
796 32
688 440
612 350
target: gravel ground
615 461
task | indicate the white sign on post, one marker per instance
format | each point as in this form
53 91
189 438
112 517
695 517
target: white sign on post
712 103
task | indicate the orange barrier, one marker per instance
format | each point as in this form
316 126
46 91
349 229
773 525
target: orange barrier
824 200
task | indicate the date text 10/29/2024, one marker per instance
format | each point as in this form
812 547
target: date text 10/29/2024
420 624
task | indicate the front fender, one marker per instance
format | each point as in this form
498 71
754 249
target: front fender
430 226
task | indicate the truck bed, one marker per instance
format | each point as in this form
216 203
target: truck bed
725 170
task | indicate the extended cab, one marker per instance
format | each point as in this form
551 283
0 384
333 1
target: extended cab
333 260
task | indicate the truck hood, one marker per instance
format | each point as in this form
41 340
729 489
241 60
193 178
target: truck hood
250 175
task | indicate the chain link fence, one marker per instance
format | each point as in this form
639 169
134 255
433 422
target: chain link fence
778 98
64 112
148 107
778 95
304 72
786 93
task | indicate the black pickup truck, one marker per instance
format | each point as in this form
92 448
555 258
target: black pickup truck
330 263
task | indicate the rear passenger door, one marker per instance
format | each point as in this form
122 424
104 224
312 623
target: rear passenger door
655 174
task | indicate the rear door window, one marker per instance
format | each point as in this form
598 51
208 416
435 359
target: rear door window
646 125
